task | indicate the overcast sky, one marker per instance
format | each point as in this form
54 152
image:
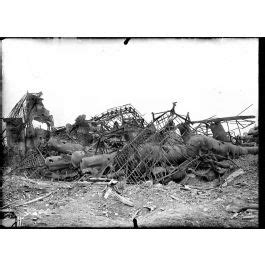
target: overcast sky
206 77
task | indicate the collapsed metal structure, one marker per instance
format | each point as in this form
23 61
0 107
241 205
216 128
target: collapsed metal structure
214 127
122 116
117 143
162 130
117 126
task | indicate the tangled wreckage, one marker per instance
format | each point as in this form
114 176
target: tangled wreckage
120 146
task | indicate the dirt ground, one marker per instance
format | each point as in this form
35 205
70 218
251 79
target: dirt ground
200 204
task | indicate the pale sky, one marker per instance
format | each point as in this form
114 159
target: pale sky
206 77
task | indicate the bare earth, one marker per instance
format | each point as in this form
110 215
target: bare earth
82 205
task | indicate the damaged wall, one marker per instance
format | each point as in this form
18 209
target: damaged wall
20 133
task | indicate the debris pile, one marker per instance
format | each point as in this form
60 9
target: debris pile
119 146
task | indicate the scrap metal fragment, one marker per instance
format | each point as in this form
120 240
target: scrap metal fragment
109 190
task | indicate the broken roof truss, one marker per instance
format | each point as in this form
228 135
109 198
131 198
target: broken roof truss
234 125
120 116
114 124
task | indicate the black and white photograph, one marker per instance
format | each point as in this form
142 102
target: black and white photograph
130 132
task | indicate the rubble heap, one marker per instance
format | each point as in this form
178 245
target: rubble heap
119 144
116 148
